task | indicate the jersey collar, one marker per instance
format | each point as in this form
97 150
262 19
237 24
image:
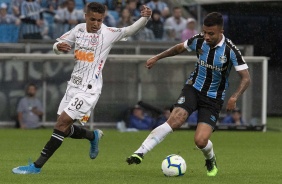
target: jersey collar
221 42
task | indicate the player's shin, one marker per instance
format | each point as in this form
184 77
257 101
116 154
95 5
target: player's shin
154 138
80 133
52 145
208 150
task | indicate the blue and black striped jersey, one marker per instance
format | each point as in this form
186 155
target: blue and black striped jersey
213 67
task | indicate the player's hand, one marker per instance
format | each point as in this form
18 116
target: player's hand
146 11
231 104
63 47
150 62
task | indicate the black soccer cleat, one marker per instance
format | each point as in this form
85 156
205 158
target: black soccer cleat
135 158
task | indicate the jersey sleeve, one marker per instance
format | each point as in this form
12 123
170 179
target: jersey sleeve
115 34
191 43
69 36
238 60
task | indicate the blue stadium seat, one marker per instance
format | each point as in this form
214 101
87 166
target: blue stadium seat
49 18
114 14
98 1
9 33
79 4
5 1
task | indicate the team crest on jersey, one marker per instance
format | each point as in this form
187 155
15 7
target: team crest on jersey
181 100
94 40
223 59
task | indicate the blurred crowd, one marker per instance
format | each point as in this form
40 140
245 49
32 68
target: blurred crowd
49 19
141 118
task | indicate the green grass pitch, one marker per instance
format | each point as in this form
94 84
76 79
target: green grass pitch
243 157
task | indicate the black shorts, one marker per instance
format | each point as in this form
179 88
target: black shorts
208 108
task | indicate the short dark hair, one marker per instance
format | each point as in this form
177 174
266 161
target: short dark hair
29 85
96 7
213 19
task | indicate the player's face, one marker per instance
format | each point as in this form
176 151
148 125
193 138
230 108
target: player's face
94 21
212 35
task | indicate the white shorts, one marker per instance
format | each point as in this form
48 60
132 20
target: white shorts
78 104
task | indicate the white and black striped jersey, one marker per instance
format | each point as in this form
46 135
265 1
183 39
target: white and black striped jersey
90 53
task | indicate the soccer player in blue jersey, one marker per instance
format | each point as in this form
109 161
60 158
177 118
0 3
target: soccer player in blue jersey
204 90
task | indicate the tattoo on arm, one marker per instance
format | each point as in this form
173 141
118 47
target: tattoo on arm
245 81
175 50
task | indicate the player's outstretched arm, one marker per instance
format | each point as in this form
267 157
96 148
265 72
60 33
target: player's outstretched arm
175 50
60 47
245 82
146 13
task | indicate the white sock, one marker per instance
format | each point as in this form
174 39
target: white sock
154 138
208 150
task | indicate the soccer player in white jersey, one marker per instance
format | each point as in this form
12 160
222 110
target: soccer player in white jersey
92 43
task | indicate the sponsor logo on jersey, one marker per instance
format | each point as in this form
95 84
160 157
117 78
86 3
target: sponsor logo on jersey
203 63
223 59
84 56
213 118
76 80
234 46
114 30
181 100
99 69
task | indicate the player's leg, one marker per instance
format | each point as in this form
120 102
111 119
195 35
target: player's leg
178 116
94 137
202 141
55 141
80 108
176 119
71 108
208 114
61 128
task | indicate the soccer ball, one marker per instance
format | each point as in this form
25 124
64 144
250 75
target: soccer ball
173 165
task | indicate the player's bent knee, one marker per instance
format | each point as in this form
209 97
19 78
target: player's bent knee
175 122
201 142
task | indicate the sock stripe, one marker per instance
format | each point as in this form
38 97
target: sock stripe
57 137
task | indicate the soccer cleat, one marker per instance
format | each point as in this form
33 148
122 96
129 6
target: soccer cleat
29 169
211 166
94 144
136 158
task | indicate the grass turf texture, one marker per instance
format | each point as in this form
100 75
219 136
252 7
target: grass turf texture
242 157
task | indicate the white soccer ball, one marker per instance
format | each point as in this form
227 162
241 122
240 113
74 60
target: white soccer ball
173 165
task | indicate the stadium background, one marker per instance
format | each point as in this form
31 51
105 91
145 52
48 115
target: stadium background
243 157
252 25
